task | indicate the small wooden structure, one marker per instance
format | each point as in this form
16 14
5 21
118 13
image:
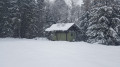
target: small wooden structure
62 32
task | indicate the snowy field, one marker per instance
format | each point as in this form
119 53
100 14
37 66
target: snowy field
44 53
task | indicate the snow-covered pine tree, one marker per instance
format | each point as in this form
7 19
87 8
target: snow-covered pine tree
49 19
83 24
75 12
2 16
41 17
33 28
27 17
2 3
6 16
102 23
84 19
60 11
14 17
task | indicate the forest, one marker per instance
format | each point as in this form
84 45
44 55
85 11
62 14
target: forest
98 20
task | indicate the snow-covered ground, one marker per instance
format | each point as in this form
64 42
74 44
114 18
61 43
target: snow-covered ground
44 53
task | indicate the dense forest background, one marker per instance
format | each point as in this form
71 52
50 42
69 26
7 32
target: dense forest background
99 20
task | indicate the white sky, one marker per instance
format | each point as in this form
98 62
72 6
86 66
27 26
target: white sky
79 1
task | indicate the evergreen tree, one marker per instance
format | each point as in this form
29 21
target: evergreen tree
27 17
60 11
33 29
15 17
102 23
41 17
75 12
6 24
49 19
84 19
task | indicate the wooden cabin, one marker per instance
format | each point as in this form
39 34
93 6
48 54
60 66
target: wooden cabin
62 32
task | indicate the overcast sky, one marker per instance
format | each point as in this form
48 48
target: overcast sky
68 1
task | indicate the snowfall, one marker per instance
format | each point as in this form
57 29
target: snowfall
41 52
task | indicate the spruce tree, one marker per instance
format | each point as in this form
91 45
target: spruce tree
41 17
60 11
27 17
102 23
84 19
6 24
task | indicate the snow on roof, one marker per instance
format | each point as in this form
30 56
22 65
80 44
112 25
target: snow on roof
60 27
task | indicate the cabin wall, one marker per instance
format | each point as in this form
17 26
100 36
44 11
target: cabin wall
71 36
63 36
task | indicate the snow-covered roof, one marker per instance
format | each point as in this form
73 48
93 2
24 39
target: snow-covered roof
60 27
